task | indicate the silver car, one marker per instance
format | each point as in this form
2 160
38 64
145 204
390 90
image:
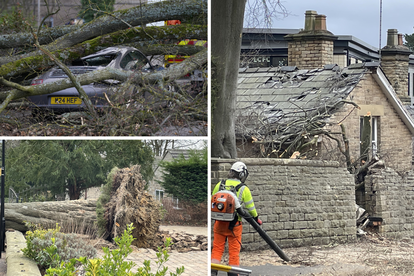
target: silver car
120 57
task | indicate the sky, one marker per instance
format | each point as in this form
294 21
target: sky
359 18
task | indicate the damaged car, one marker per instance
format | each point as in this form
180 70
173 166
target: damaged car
67 100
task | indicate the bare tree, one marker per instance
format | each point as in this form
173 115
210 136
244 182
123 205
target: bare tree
227 25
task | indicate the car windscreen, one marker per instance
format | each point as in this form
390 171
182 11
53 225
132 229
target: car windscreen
140 62
102 60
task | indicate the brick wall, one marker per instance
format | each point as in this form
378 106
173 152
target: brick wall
395 67
390 195
310 54
301 202
369 97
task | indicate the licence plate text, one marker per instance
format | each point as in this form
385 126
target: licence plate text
66 100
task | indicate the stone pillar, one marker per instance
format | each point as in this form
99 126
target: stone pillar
312 47
394 63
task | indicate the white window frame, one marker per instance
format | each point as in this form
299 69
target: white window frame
159 195
374 134
175 202
411 84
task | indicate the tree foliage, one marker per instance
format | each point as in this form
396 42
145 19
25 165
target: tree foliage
409 41
92 9
13 21
186 179
72 166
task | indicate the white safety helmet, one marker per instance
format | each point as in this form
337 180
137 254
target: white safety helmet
241 168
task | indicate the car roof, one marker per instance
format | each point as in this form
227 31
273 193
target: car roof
111 50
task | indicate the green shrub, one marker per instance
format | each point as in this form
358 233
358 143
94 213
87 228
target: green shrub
43 244
102 201
113 262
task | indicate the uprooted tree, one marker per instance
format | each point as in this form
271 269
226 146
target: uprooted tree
123 201
25 55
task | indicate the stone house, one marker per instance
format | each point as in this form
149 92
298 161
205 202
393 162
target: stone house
320 100
154 186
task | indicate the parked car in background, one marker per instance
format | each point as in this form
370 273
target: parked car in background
119 57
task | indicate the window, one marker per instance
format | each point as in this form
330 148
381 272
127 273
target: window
374 122
140 62
159 194
374 135
411 83
175 202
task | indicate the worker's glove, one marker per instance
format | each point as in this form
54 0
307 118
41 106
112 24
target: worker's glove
258 220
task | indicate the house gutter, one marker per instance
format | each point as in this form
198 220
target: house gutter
389 92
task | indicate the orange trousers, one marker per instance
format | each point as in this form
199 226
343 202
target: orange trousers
223 233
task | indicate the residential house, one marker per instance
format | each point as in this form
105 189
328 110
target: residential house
320 100
154 186
269 48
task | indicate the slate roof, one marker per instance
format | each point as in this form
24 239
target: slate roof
273 98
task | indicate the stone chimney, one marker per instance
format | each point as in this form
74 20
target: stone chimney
394 63
313 46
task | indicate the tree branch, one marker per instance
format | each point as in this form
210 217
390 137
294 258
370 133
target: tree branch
172 73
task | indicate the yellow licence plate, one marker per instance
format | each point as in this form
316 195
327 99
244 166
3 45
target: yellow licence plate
66 100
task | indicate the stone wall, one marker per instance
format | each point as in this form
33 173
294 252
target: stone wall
390 195
17 263
395 67
370 98
301 202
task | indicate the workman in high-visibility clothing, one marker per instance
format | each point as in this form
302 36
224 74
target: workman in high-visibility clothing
232 231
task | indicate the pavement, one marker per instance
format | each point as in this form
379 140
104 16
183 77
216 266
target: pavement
194 262
193 230
287 270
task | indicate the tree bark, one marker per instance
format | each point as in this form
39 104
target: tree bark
46 36
49 213
226 32
137 36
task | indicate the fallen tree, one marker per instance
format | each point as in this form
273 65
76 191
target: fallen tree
22 61
78 212
165 76
128 203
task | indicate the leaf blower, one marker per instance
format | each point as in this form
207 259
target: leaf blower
225 205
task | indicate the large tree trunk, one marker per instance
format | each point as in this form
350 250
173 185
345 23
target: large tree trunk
226 32
49 213
11 67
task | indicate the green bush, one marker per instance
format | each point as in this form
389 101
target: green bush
102 201
113 262
14 21
41 243
186 179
